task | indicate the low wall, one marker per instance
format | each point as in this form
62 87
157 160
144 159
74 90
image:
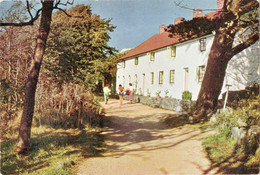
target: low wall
165 103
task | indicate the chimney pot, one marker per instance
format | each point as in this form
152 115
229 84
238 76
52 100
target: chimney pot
197 13
178 20
220 4
162 28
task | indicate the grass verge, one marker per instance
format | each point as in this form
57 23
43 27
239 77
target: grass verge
53 151
228 156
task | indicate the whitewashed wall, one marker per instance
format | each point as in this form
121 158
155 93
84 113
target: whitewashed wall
243 69
188 55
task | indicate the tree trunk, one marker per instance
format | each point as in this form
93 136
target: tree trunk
212 83
23 141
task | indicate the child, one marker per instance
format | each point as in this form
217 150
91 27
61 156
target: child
121 93
106 91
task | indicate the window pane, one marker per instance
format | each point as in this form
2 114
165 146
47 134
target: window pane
201 72
136 61
152 77
152 56
161 77
202 44
172 72
173 51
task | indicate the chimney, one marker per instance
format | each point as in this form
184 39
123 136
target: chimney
178 20
220 4
197 13
162 28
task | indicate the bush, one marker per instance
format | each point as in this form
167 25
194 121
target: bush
245 110
186 95
241 155
66 106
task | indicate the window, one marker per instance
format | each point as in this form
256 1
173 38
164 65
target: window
172 72
136 60
173 51
152 56
161 77
152 77
129 78
200 73
123 64
202 44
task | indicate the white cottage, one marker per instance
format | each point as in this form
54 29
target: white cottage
164 63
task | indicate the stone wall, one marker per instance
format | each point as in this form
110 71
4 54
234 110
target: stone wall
165 103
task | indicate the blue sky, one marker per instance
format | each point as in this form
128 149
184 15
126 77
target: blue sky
138 20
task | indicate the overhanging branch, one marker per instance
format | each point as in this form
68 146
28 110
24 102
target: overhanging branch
248 7
240 47
64 11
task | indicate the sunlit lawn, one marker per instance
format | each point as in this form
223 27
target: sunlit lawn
49 148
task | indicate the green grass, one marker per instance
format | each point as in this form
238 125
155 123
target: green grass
228 156
48 147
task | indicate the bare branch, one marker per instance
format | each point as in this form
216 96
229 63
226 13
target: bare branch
28 9
240 47
64 11
184 7
23 23
70 3
188 8
57 3
65 4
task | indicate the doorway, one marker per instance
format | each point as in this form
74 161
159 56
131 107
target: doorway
186 79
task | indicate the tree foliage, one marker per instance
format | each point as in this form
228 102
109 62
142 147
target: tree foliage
81 41
238 16
81 48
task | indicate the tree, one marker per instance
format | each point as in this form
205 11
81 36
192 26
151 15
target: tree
236 16
16 49
108 69
82 46
23 141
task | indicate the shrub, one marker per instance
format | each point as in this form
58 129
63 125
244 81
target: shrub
186 95
245 110
241 156
148 93
66 106
158 93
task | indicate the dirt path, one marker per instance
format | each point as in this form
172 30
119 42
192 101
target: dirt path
139 143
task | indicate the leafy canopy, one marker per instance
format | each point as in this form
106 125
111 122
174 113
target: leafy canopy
77 45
